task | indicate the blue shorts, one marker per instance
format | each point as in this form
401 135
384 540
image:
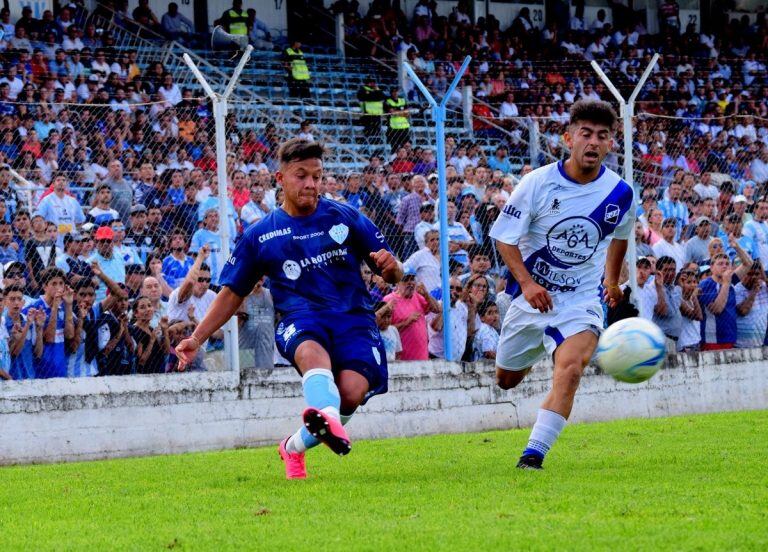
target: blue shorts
352 340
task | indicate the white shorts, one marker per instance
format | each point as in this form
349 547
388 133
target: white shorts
527 336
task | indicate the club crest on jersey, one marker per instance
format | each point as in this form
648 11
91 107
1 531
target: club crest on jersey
292 270
612 213
339 233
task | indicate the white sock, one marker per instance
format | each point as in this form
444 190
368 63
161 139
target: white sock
545 432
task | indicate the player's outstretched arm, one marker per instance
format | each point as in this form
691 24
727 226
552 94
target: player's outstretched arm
613 259
222 309
536 295
391 269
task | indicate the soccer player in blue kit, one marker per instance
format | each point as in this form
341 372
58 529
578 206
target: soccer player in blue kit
311 249
563 235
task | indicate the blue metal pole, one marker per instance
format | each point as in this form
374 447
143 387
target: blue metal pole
438 113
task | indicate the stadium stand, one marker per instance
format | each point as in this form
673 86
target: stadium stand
107 173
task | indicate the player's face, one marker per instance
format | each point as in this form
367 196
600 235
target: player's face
301 184
589 144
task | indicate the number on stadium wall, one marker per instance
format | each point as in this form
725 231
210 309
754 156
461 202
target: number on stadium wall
693 18
538 16
185 2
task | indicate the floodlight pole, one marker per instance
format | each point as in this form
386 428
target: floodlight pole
438 116
231 345
627 113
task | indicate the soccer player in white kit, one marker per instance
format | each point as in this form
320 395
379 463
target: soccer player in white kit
563 235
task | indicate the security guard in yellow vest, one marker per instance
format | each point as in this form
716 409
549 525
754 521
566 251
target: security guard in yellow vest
235 20
398 127
297 69
371 99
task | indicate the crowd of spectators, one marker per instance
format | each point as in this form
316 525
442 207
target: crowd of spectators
111 245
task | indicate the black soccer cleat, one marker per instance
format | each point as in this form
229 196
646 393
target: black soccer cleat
327 430
530 462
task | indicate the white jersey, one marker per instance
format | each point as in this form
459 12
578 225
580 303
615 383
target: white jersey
563 229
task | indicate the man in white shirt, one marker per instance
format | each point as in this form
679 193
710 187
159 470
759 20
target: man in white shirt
191 300
427 223
508 108
256 209
668 247
705 189
463 317
15 84
647 292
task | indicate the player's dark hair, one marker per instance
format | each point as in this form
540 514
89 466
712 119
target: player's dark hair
50 273
298 149
84 283
593 111
483 307
12 288
661 262
205 268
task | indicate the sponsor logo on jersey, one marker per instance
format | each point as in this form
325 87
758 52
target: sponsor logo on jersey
323 258
232 260
555 209
292 270
274 234
308 236
512 211
593 313
288 332
612 213
573 240
553 280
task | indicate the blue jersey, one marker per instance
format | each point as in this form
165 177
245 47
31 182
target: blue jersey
213 240
53 363
717 328
313 262
174 270
23 365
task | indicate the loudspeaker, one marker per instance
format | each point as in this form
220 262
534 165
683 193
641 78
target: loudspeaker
222 40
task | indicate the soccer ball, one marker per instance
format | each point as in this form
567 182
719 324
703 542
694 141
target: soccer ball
631 350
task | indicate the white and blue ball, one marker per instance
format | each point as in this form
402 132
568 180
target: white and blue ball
631 350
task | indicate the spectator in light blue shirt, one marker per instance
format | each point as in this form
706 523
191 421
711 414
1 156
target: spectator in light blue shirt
112 265
177 264
500 161
674 208
209 235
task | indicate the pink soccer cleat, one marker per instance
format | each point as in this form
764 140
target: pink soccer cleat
294 463
328 430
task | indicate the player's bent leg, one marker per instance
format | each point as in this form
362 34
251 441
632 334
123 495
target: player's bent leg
352 390
322 397
353 387
570 358
509 379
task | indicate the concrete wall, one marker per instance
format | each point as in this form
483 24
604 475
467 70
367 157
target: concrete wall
63 420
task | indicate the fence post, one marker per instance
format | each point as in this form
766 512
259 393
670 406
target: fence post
401 74
627 113
340 36
533 140
438 116
466 107
231 344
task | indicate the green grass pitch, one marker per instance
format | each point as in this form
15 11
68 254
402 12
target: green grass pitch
684 483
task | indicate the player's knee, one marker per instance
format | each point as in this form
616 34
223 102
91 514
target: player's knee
570 374
352 389
311 354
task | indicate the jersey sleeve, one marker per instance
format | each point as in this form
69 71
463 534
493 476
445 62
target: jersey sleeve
243 269
625 228
514 220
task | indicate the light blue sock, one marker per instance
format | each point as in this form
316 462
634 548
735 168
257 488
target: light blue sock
320 392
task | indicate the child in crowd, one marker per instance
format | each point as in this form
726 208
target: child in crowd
390 337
